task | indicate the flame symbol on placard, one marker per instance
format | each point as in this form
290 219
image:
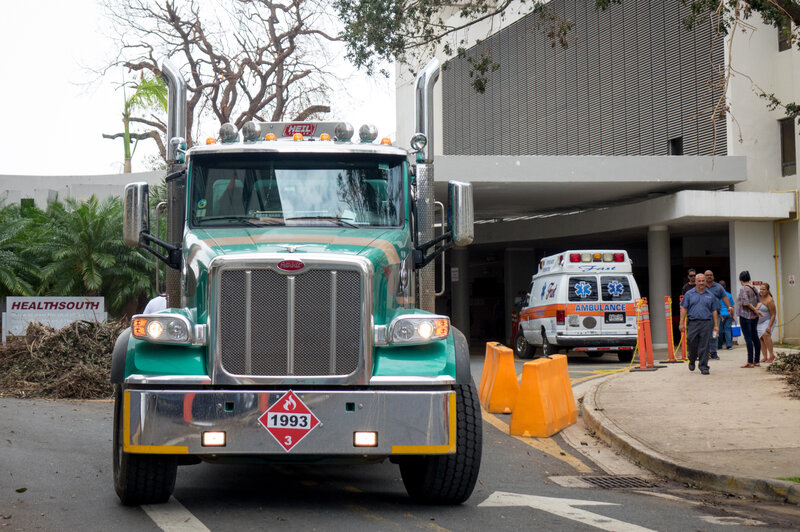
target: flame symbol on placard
289 404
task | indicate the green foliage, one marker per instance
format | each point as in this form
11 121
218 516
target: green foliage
17 275
71 249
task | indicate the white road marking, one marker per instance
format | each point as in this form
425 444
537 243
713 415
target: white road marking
731 521
564 508
173 517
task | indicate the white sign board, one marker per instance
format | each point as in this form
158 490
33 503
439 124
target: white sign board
56 312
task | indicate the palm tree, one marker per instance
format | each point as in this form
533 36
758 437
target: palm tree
149 93
17 274
88 256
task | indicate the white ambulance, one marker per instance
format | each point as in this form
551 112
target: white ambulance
581 300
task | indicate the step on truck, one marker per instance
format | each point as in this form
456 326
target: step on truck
300 326
582 300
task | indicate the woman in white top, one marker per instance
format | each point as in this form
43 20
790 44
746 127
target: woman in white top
765 322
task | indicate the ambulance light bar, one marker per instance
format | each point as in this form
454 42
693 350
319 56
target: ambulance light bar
597 257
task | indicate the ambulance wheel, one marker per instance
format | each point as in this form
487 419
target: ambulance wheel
625 356
140 478
548 349
522 348
449 478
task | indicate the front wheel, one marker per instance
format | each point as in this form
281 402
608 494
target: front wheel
521 346
450 478
140 478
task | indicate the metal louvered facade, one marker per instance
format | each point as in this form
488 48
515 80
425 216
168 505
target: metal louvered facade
631 79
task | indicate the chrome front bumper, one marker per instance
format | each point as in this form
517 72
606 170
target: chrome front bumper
172 422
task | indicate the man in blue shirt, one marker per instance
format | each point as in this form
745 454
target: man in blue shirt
718 292
726 319
701 308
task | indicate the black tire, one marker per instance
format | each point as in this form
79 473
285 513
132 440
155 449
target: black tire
625 356
522 348
547 348
140 478
450 478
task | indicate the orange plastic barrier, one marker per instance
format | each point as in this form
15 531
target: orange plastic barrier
683 338
499 388
546 404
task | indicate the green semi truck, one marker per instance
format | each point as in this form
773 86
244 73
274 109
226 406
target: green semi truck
300 324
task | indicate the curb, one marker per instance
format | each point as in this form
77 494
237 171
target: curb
608 431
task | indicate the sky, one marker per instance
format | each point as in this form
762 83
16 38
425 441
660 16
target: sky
55 110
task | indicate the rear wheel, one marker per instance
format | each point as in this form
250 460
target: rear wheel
547 348
140 478
522 348
625 356
449 478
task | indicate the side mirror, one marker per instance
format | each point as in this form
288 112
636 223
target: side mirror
460 215
135 213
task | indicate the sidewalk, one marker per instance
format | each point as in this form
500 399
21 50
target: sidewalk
734 430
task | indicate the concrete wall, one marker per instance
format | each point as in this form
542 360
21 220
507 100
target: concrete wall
42 189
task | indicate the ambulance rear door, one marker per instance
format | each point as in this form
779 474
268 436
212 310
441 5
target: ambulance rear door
618 293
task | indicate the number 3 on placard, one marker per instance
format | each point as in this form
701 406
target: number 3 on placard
288 440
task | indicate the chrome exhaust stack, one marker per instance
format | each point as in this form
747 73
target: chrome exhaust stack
426 79
176 178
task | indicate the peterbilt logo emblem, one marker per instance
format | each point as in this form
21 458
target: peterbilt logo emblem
291 265
305 129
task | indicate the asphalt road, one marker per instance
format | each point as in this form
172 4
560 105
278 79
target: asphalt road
55 474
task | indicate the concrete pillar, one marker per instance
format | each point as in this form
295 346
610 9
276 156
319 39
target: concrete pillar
458 258
658 268
519 264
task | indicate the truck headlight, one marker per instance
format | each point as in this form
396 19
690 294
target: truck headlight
167 329
418 329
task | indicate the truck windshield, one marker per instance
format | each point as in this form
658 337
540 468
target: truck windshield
350 190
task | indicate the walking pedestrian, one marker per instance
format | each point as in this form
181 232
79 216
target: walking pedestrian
747 310
726 320
766 321
690 283
701 308
726 303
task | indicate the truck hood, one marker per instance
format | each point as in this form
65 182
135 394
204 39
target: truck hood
380 245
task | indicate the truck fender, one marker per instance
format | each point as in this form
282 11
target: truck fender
463 371
118 357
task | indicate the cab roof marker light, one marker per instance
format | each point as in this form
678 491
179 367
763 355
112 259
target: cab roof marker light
270 136
386 141
211 140
297 137
325 136
228 133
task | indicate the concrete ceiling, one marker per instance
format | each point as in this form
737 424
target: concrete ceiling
507 186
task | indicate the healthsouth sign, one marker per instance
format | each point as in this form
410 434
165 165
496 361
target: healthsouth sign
56 312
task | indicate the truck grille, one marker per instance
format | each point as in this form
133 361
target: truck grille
304 324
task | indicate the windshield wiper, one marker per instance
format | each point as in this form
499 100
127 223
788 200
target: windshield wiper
334 219
246 220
